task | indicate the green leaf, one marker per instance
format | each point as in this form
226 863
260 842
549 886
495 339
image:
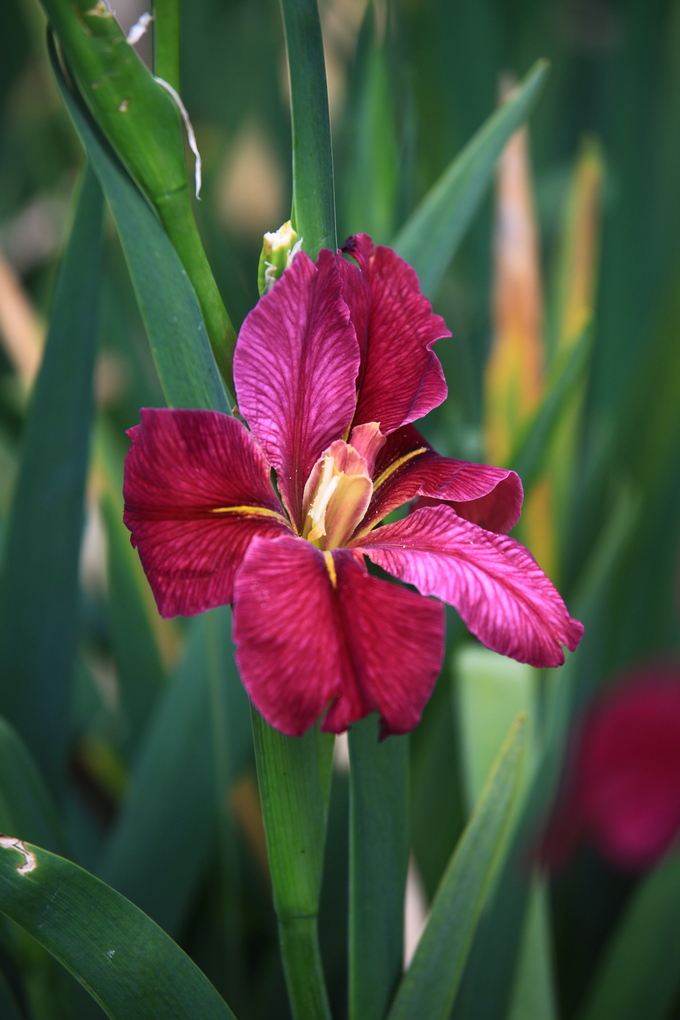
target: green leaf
294 776
429 987
371 180
125 961
313 195
166 31
430 237
170 310
39 595
534 993
26 806
491 690
166 828
639 976
139 668
379 850
491 969
567 373
9 1008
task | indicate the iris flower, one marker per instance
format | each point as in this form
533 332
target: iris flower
331 368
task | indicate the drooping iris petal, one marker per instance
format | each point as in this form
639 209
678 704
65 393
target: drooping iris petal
295 370
395 639
495 584
314 628
401 378
289 648
185 473
408 467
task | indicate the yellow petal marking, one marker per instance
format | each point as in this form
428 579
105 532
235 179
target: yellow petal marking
248 511
330 566
397 464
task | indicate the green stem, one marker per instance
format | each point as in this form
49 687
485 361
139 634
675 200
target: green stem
166 41
299 943
294 776
378 866
313 195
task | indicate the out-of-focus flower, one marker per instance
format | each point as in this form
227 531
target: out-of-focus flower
623 787
331 368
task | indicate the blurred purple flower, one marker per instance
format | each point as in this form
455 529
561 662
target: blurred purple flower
331 368
622 790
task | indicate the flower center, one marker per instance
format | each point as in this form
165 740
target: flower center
336 496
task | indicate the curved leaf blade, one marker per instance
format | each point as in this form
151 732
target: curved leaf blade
126 962
26 806
639 975
429 987
166 828
313 188
39 594
378 867
430 237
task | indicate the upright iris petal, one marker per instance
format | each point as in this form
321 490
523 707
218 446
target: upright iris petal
336 496
331 368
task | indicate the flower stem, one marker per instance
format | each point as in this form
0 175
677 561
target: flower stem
299 943
294 776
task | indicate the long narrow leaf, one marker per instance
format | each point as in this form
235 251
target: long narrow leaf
166 829
170 310
135 646
639 976
39 595
131 967
429 238
26 806
313 194
490 974
378 866
430 984
568 372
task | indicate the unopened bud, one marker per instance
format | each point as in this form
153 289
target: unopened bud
278 251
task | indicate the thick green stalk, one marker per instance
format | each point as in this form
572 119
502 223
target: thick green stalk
299 942
378 867
166 41
294 775
313 195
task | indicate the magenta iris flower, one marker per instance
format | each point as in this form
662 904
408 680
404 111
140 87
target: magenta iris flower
331 368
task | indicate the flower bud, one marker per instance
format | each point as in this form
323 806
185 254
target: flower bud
278 249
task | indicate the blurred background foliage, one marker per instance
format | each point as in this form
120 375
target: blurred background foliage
578 249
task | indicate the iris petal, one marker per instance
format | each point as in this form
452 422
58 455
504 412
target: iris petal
196 491
495 584
401 378
295 371
407 467
312 633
